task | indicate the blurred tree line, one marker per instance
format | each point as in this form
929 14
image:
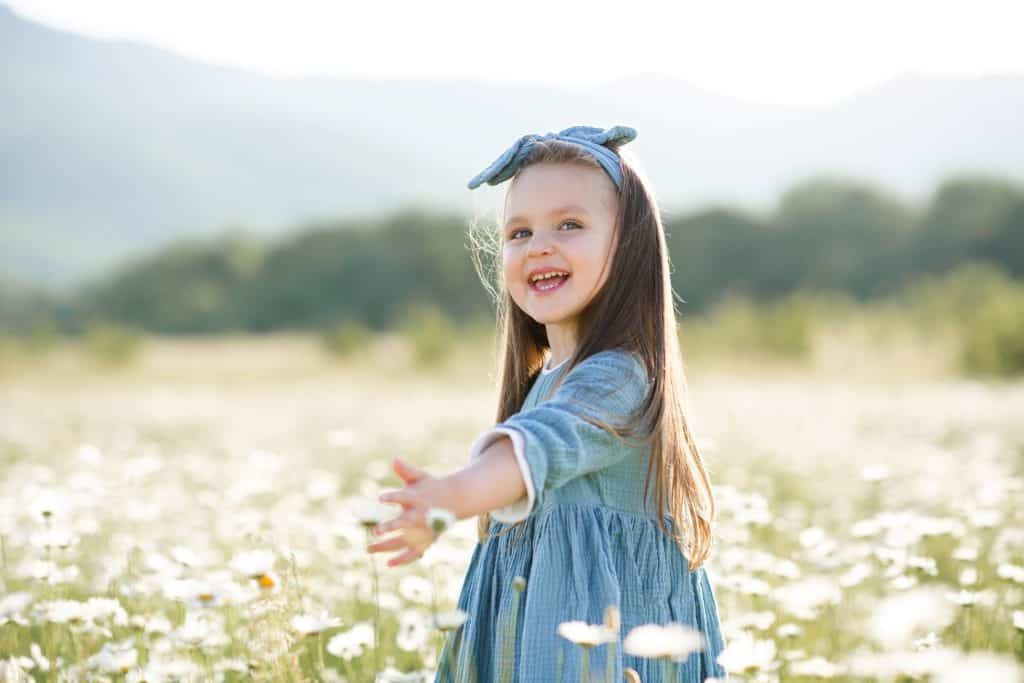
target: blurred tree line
825 234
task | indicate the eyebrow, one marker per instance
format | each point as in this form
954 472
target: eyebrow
572 208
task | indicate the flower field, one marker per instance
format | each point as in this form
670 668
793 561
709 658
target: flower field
202 516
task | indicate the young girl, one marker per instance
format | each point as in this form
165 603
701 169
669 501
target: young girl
590 412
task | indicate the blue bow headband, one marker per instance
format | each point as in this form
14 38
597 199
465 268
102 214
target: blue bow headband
601 144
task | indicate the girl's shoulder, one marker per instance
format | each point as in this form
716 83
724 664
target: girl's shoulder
612 383
617 359
612 367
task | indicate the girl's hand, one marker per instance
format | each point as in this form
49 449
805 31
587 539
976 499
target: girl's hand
422 492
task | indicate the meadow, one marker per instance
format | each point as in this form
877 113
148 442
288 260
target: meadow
197 513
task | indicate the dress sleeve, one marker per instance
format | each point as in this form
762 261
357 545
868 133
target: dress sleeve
518 510
553 442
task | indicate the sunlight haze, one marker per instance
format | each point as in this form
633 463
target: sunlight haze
786 52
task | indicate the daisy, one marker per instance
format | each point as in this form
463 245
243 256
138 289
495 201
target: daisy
40 659
369 513
390 675
12 605
584 634
311 625
253 563
415 589
900 618
789 630
61 611
929 642
873 473
981 666
114 658
1013 572
54 537
673 640
965 553
746 654
968 576
349 644
194 631
321 485
158 623
447 621
413 630
440 520
964 598
187 557
816 667
256 564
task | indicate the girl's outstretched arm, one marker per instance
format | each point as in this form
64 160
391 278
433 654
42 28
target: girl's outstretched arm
555 441
491 481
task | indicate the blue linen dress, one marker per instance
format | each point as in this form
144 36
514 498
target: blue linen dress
587 542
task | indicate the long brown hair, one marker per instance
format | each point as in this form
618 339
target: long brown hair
639 317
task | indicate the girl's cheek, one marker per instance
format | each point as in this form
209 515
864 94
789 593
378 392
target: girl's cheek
509 261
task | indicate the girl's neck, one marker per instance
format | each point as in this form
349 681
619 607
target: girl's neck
561 343
548 367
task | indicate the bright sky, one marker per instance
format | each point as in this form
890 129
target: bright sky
801 52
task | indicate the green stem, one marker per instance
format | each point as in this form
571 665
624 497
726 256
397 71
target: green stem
835 631
74 642
433 591
49 530
449 661
442 640
609 669
52 647
376 612
206 662
510 639
585 666
443 658
310 657
295 579
348 670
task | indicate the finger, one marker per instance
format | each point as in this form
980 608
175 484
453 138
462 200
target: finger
410 474
403 497
394 543
406 557
409 518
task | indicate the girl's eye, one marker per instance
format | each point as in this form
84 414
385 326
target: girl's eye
516 232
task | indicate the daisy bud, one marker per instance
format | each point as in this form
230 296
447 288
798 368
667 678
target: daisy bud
612 617
440 519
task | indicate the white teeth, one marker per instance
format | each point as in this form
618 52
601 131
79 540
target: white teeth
547 276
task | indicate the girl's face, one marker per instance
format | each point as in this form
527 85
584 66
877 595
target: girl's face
561 218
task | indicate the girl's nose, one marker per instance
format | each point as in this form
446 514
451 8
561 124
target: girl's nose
539 246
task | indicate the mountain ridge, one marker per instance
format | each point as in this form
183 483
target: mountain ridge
117 145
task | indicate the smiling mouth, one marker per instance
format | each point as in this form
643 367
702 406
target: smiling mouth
549 284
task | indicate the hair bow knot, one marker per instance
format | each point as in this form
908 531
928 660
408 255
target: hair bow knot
600 142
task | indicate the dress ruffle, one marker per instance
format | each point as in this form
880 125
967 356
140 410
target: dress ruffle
577 559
